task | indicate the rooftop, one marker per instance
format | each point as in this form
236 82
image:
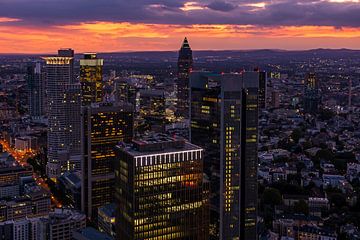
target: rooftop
90 233
157 143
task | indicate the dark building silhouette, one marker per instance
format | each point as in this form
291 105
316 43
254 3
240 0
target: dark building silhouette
312 96
160 193
104 125
185 65
262 88
224 121
36 87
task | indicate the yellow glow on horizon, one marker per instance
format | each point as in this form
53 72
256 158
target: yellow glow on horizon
125 36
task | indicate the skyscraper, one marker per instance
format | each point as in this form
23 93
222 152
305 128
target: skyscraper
185 65
311 95
262 88
104 125
63 112
224 121
91 79
160 193
36 87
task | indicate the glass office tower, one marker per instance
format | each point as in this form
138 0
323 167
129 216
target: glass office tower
160 192
104 125
91 69
63 135
224 121
185 65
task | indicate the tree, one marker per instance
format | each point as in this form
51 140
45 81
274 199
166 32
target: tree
301 207
271 197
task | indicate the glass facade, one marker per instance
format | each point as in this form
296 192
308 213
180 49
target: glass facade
185 65
161 194
103 126
312 97
91 79
224 121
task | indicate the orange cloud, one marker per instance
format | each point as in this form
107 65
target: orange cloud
6 19
125 36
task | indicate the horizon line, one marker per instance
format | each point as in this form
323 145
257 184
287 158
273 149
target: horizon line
202 50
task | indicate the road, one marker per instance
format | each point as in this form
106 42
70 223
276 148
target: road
21 157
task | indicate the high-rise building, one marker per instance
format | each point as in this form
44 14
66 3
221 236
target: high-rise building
262 88
185 65
91 69
224 121
312 97
36 88
160 191
63 113
104 125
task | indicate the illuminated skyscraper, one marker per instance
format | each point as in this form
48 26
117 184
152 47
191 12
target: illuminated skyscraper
63 112
104 125
185 65
224 121
312 94
91 69
160 193
262 88
36 87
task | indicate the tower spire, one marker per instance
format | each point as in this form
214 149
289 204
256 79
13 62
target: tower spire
185 43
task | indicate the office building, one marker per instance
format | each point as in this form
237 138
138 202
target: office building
61 224
312 96
224 121
104 125
70 186
36 88
160 192
63 114
185 65
107 219
262 88
91 69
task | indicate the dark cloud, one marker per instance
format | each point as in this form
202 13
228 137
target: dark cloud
221 6
275 12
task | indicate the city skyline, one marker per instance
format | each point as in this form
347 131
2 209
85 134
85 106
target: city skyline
159 25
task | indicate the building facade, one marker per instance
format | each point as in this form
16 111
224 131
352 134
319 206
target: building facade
224 121
63 132
160 193
312 97
185 65
91 69
104 125
36 87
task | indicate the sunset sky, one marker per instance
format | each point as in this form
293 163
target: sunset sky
42 26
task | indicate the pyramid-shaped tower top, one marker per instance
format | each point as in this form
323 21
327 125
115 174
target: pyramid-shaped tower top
185 44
